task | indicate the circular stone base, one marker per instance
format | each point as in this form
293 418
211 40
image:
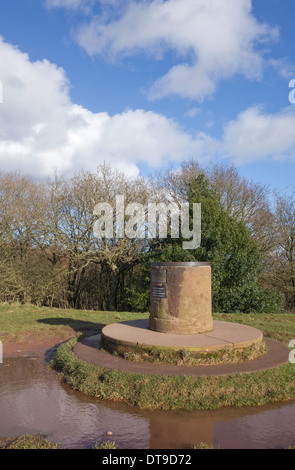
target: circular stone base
228 342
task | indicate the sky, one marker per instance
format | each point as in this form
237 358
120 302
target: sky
148 84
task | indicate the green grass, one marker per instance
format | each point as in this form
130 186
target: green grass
170 392
28 441
153 392
203 446
18 321
280 327
179 357
167 392
106 445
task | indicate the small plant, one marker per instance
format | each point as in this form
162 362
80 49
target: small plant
106 445
204 446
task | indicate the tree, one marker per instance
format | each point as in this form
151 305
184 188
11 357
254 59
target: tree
25 274
282 258
244 200
68 233
49 254
227 244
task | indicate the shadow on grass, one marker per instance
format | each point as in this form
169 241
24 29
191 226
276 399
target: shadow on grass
80 326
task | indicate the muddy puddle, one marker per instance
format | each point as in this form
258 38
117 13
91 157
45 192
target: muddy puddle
33 400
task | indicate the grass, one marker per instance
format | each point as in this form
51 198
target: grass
106 445
153 392
179 357
27 441
203 446
164 392
280 327
18 321
181 392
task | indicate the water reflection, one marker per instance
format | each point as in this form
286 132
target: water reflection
272 427
32 400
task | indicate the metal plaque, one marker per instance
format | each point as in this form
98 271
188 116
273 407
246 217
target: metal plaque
159 292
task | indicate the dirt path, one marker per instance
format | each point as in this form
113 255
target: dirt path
35 344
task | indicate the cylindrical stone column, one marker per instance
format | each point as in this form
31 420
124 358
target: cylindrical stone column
181 299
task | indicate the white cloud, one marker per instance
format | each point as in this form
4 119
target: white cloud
214 40
41 130
256 136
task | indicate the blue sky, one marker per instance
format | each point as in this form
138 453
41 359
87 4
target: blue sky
148 84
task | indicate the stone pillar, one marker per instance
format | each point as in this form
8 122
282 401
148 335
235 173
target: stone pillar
181 300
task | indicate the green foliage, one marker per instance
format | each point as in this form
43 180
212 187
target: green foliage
234 255
136 294
49 255
251 298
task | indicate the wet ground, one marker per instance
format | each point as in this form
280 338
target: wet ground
33 400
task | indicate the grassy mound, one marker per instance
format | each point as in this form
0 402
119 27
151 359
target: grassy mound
180 392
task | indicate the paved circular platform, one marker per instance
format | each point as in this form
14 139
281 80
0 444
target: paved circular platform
224 336
277 354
